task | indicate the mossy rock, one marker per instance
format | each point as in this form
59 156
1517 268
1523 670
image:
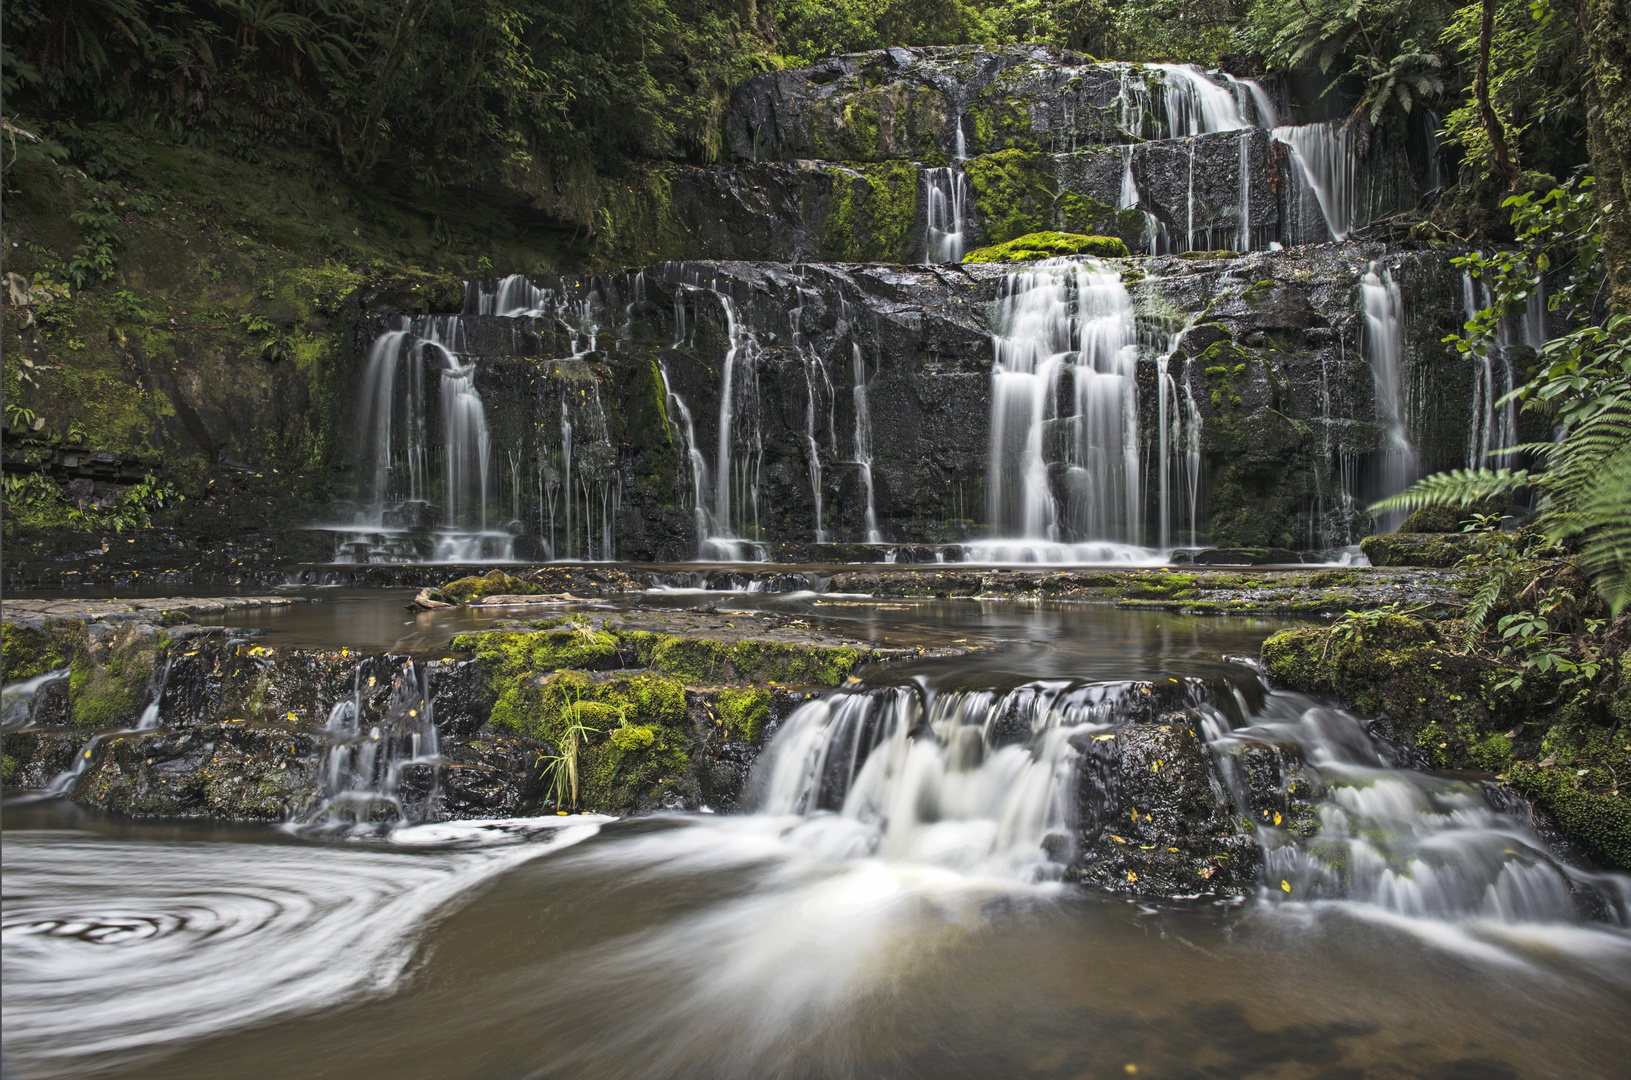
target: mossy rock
503 655
496 583
108 679
1049 245
26 652
743 713
1417 549
632 747
704 660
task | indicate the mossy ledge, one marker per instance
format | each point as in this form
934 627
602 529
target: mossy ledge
1049 245
1452 708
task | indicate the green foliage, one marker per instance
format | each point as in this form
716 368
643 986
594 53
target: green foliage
1381 47
1048 245
1584 385
99 219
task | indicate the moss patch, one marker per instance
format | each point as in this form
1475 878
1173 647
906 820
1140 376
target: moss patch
872 213
25 653
503 655
495 583
1048 245
1013 192
743 712
703 660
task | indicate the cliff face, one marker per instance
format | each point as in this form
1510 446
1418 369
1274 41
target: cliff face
837 377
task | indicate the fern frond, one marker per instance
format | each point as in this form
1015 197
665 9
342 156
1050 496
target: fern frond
1483 601
1458 487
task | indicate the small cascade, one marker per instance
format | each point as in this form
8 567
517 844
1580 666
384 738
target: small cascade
1154 231
1395 841
1335 518
365 764
412 510
813 370
970 780
515 296
947 196
698 464
1064 454
151 713
1384 349
1328 165
20 700
1491 425
863 439
1195 105
1178 469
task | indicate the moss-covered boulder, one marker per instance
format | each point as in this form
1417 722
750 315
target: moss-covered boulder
1048 245
495 583
549 645
27 651
109 677
1417 549
712 661
625 737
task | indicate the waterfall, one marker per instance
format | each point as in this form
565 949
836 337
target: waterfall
1491 426
1130 199
1195 104
399 512
934 778
1330 165
151 712
1064 472
364 763
20 700
947 196
1410 844
1384 349
697 466
863 439
1178 468
736 479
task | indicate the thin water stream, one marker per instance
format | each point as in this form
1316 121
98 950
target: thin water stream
891 911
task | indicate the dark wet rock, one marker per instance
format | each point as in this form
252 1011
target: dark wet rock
1154 817
1279 790
228 772
1234 557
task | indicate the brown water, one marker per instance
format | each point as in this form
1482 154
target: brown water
698 946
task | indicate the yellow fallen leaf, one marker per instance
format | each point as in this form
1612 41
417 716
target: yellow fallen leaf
1146 847
1277 817
1116 838
1172 849
1285 886
292 716
1135 816
1103 738
1131 876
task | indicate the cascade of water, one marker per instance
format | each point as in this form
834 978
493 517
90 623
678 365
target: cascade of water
513 296
150 714
1061 321
1179 445
1130 199
1491 426
736 479
698 464
364 763
1244 242
977 780
947 195
1195 104
1407 843
863 439
398 477
1329 164
962 142
19 700
1384 349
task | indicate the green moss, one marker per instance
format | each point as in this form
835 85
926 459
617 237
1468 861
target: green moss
636 745
1048 245
743 712
1416 549
10 767
1084 214
25 653
1433 519
504 655
494 583
107 683
705 661
1013 192
872 213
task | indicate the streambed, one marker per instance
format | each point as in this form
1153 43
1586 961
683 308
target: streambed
900 916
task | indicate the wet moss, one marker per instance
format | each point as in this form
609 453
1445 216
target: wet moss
504 655
872 213
634 748
1048 245
1416 549
494 583
108 680
1013 193
705 661
743 712
25 652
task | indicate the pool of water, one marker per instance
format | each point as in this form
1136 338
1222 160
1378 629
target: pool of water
1423 933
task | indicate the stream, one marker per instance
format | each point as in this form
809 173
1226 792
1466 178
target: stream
888 912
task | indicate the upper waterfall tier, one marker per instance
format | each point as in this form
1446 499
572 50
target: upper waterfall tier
870 157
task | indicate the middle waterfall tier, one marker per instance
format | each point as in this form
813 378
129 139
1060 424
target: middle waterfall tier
1071 411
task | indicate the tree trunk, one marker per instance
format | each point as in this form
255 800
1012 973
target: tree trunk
1486 113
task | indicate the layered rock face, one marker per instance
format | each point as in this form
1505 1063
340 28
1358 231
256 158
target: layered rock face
1251 390
638 415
